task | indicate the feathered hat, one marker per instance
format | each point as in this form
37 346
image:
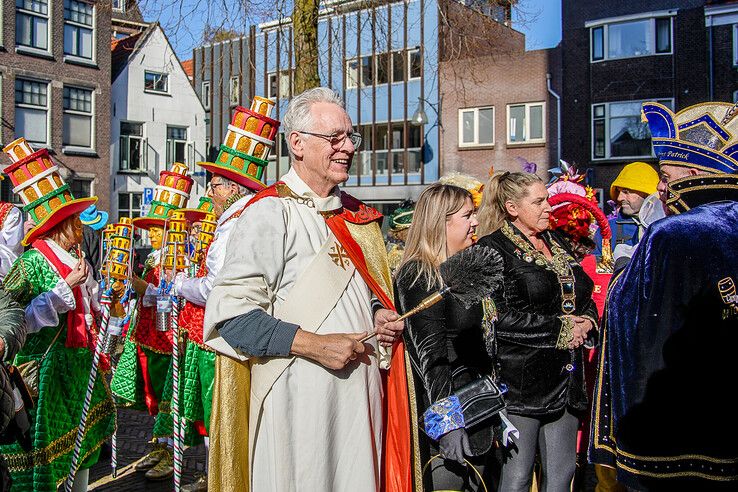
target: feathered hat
244 155
46 197
469 183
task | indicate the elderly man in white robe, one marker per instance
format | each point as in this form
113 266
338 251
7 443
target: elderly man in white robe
299 307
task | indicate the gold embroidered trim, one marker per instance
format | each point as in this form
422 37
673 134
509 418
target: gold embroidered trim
65 444
566 335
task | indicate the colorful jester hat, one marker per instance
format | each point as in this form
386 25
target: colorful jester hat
402 216
244 155
702 137
575 209
46 198
170 194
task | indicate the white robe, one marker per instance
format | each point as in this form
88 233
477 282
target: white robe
197 289
11 235
320 430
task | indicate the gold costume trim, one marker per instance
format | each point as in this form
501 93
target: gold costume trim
65 444
566 335
414 426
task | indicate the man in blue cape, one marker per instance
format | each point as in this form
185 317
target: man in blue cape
663 414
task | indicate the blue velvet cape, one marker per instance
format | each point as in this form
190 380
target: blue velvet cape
668 370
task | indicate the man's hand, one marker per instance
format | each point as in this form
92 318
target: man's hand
334 351
387 327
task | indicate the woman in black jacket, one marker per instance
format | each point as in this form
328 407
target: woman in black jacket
444 342
545 314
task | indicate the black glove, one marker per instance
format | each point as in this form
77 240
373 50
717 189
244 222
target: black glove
454 445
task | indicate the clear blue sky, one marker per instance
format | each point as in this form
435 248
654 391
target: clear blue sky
184 21
540 21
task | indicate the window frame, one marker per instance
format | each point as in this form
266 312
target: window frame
155 91
91 114
171 143
143 146
606 119
279 79
205 100
390 70
527 141
121 9
47 108
130 208
652 33
475 143
70 57
363 159
33 50
231 101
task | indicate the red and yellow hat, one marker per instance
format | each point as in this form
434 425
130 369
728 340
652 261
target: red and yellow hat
170 194
47 199
244 155
204 208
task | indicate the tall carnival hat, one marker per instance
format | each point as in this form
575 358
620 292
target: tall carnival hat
170 194
204 208
704 137
244 155
46 197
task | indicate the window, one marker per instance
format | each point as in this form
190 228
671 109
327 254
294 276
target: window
176 144
395 66
81 188
156 82
78 113
286 77
235 90
642 37
381 145
7 195
79 31
132 147
32 111
129 204
618 132
525 123
205 94
476 126
119 5
32 24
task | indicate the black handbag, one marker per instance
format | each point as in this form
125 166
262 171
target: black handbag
480 400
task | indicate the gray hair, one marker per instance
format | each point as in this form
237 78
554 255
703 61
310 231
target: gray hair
298 117
242 190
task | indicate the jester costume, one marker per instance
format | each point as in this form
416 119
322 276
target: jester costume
671 321
63 376
140 379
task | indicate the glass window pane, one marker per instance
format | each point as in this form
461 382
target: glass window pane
663 35
23 30
136 200
176 133
41 28
85 43
398 67
127 128
179 152
598 52
536 122
599 111
416 65
40 6
486 126
598 144
413 136
629 137
467 127
31 124
382 68
367 72
625 109
284 85
517 124
629 39
134 152
123 201
352 73
77 130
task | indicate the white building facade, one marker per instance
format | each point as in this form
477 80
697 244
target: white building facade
156 119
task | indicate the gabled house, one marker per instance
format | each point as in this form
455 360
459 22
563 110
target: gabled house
156 119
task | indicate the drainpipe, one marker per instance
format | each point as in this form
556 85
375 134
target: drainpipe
558 117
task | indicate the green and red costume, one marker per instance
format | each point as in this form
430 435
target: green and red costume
63 377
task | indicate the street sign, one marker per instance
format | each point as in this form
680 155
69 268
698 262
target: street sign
145 207
148 196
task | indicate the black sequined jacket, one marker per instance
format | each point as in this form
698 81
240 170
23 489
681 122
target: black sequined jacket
542 376
446 351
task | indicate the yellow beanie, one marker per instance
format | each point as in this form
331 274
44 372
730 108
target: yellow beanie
636 176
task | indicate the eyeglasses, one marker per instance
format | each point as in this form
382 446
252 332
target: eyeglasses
336 139
212 185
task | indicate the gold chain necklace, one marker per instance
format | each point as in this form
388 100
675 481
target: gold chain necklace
559 264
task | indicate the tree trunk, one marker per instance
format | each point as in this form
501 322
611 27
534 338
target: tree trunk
305 25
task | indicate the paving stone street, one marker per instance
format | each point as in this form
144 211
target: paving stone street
134 433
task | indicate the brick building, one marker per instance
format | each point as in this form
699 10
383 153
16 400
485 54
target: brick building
55 87
501 109
618 54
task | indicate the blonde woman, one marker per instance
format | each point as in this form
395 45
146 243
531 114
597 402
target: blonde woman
444 342
545 313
